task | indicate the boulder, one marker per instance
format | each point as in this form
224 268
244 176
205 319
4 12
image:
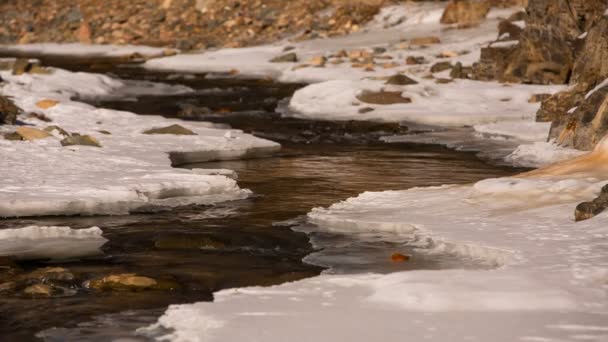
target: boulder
383 97
84 140
173 129
465 12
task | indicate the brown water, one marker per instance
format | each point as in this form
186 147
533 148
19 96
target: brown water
321 163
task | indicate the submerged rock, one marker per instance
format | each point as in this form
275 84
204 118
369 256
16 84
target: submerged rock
39 290
173 129
189 242
383 97
131 282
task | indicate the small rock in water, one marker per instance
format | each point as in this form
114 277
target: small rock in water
383 97
287 58
131 282
400 79
8 111
366 110
441 66
587 210
84 140
173 129
38 116
39 290
318 61
425 40
30 134
414 60
398 257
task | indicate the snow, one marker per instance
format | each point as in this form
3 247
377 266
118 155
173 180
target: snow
522 130
549 283
540 154
36 242
131 172
83 50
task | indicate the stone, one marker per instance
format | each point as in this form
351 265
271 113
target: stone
492 63
21 66
30 133
46 103
400 79
414 60
83 140
444 80
8 111
59 130
365 110
535 98
38 116
287 58
173 129
430 40
459 71
8 286
84 33
509 31
398 257
383 97
318 61
131 282
441 66
39 290
586 211
465 12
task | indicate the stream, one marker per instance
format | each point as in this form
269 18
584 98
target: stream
249 242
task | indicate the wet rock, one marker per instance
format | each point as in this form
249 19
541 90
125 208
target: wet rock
46 103
465 12
318 61
8 286
131 282
104 132
492 63
21 66
8 111
444 80
30 134
459 71
189 242
51 274
39 290
38 116
430 40
509 31
441 66
173 129
383 97
83 140
379 50
400 79
398 257
535 98
287 58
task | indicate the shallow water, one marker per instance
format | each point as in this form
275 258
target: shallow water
320 164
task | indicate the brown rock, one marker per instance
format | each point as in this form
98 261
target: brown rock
430 40
383 97
318 61
173 129
46 103
441 66
398 257
412 60
287 58
465 12
400 79
59 130
84 33
538 98
8 111
30 134
39 290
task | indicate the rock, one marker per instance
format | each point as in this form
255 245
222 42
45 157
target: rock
104 132
318 61
365 110
383 97
441 66
378 50
587 210
189 242
447 54
459 71
425 40
46 274
84 140
508 31
398 257
492 63
173 129
465 12
8 111
535 98
287 58
46 103
21 66
30 134
9 286
414 60
59 130
444 80
12 137
131 282
400 79
39 290
84 33
38 116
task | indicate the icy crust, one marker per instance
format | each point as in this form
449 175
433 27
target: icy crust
550 282
132 171
83 50
36 242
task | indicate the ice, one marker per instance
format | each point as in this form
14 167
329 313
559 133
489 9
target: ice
57 243
540 154
131 172
549 283
83 50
